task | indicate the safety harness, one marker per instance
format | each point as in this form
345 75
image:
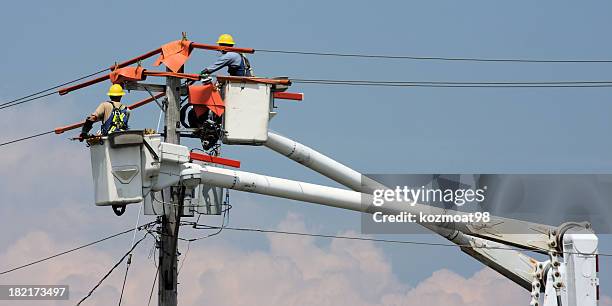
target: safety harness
118 120
244 69
248 70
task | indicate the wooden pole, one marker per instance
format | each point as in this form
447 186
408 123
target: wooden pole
172 197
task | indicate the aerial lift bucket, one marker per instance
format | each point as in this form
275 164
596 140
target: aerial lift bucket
247 112
119 162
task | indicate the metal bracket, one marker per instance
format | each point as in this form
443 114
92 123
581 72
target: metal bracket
161 105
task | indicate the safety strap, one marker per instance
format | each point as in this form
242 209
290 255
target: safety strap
248 70
117 120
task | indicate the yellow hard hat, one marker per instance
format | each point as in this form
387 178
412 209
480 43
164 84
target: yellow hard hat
115 90
226 39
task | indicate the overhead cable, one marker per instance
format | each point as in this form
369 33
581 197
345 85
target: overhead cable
153 287
111 271
7 105
77 248
434 58
129 260
25 138
38 95
442 84
268 231
458 82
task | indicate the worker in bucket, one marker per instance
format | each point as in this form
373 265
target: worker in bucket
237 64
113 114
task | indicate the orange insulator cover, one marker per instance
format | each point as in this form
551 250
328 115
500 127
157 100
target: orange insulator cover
174 54
138 104
214 159
204 97
125 74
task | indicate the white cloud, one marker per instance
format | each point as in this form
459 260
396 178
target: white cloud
294 270
298 271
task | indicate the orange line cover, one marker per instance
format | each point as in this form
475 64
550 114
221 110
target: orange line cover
174 54
125 74
136 105
215 159
206 96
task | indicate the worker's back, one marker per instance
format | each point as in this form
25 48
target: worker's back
114 116
236 63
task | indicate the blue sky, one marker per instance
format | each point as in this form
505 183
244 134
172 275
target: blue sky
372 129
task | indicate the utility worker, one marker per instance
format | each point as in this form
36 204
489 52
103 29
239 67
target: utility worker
237 64
113 114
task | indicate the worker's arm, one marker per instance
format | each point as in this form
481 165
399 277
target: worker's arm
96 116
221 62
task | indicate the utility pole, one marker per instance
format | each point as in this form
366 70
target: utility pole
168 249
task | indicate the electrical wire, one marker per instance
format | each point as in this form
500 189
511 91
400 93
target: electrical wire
458 82
35 96
184 257
224 221
45 92
3 106
153 287
129 261
25 138
561 84
144 226
127 269
111 270
268 231
430 58
430 84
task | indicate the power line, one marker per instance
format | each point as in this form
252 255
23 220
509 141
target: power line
129 260
127 269
111 271
185 257
153 287
459 82
7 105
430 58
430 84
34 96
578 84
259 230
76 249
25 138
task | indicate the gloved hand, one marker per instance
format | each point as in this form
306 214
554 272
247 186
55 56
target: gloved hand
204 74
83 136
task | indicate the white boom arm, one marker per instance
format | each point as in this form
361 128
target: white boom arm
128 167
537 238
512 264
